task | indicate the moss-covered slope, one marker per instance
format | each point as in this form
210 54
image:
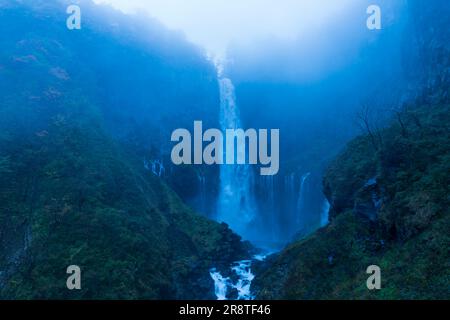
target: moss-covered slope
73 190
389 207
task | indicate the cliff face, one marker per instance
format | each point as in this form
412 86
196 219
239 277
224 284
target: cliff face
389 196
428 36
73 186
360 178
389 208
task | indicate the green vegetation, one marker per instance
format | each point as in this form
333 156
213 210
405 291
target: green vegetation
73 198
408 237
73 193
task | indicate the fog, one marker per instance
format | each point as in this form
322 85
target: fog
300 66
216 24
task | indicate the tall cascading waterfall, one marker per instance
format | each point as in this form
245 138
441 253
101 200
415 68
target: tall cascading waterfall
236 205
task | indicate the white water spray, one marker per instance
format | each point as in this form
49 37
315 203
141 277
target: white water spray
242 269
221 284
324 214
235 205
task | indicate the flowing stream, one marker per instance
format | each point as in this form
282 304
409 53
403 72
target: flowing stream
237 287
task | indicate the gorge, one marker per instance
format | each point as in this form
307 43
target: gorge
357 174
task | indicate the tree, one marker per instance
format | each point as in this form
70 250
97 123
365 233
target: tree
367 122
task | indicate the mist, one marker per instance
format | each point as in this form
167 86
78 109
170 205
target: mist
298 66
216 24
359 148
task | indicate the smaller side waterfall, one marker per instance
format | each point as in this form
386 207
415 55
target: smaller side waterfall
269 209
289 184
203 193
324 214
301 197
155 166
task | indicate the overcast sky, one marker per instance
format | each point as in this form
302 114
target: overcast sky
213 24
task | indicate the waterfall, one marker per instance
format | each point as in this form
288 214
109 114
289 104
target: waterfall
289 184
289 206
203 193
155 166
324 214
269 209
301 198
235 203
220 284
242 269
